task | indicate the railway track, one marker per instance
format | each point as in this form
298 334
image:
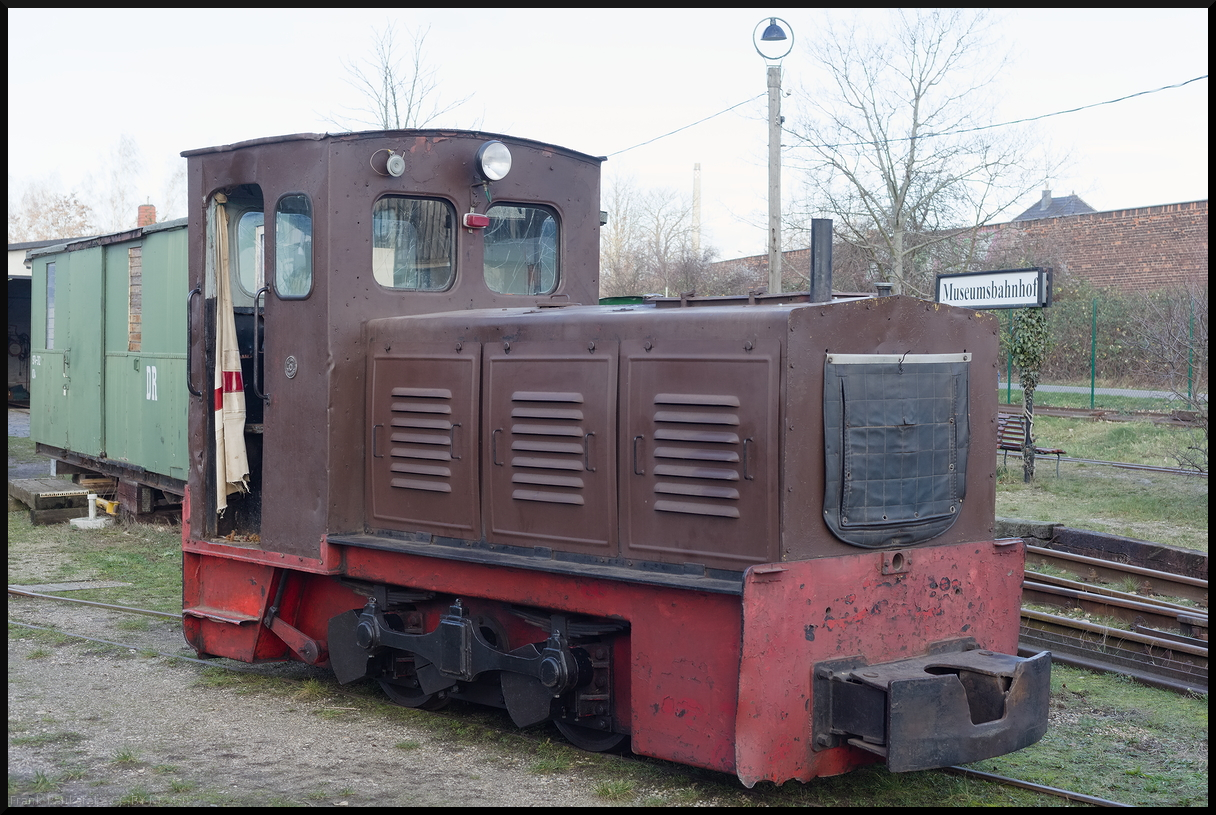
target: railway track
1153 640
1178 418
243 668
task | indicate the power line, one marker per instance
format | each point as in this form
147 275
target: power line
1014 122
685 127
927 135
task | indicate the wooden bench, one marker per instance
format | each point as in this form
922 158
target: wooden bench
1011 434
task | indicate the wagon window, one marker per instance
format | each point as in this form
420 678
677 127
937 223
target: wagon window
135 298
50 306
293 246
412 243
521 250
250 237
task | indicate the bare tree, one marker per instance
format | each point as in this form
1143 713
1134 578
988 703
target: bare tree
398 89
647 246
116 194
665 235
897 151
41 213
621 270
1170 326
173 191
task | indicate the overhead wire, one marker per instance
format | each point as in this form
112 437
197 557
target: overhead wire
1009 123
926 135
685 127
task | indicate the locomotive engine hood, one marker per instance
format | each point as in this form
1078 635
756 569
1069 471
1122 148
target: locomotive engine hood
634 432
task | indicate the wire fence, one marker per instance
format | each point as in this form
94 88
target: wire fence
1118 351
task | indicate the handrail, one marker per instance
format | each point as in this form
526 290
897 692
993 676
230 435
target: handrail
257 350
190 343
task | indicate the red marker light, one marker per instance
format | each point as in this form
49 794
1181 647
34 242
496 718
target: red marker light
475 220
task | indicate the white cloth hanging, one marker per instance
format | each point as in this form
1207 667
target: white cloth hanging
231 461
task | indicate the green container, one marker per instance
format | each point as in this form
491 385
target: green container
108 348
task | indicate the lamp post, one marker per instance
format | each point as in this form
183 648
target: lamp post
773 51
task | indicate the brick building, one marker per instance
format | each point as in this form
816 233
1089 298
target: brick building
1127 249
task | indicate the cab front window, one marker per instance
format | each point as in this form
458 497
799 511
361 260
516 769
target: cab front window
521 250
412 243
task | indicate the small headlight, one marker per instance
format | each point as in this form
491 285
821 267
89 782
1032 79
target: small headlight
493 161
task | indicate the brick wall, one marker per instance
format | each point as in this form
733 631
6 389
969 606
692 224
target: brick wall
1130 249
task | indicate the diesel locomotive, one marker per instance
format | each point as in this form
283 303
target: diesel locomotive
753 534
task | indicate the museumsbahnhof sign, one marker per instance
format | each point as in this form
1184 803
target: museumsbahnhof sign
1007 288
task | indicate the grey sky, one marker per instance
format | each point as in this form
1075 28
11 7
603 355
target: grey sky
598 81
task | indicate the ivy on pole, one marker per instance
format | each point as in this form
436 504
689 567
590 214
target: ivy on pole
1028 347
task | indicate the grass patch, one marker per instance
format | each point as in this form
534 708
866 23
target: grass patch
138 796
1122 404
21 450
42 782
1112 738
1157 507
134 624
240 681
1140 442
615 790
125 756
147 557
45 739
551 758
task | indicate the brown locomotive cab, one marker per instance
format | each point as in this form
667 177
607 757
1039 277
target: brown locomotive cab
326 232
755 537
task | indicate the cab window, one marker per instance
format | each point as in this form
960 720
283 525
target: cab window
250 235
413 243
521 250
293 246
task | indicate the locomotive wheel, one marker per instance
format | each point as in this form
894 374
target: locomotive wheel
589 739
412 697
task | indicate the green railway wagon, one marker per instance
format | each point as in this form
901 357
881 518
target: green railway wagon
108 359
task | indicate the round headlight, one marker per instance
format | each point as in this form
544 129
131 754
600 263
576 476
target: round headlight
493 161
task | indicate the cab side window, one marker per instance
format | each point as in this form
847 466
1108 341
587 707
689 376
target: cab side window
250 240
293 246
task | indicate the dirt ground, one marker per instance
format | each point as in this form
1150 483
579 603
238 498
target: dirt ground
91 725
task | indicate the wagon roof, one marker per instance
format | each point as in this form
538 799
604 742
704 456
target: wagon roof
74 244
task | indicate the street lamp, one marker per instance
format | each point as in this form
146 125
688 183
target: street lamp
771 45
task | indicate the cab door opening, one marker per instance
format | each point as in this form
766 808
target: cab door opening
237 422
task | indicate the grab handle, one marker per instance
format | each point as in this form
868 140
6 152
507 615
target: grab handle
190 343
257 346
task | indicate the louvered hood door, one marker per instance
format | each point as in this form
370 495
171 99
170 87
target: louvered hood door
550 445
699 452
423 445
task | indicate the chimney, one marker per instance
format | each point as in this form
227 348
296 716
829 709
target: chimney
147 215
1045 204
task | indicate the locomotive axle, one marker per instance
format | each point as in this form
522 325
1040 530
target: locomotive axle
531 676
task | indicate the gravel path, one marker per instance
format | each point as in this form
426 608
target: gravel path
93 725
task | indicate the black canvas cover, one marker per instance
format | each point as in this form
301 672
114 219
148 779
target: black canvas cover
895 445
